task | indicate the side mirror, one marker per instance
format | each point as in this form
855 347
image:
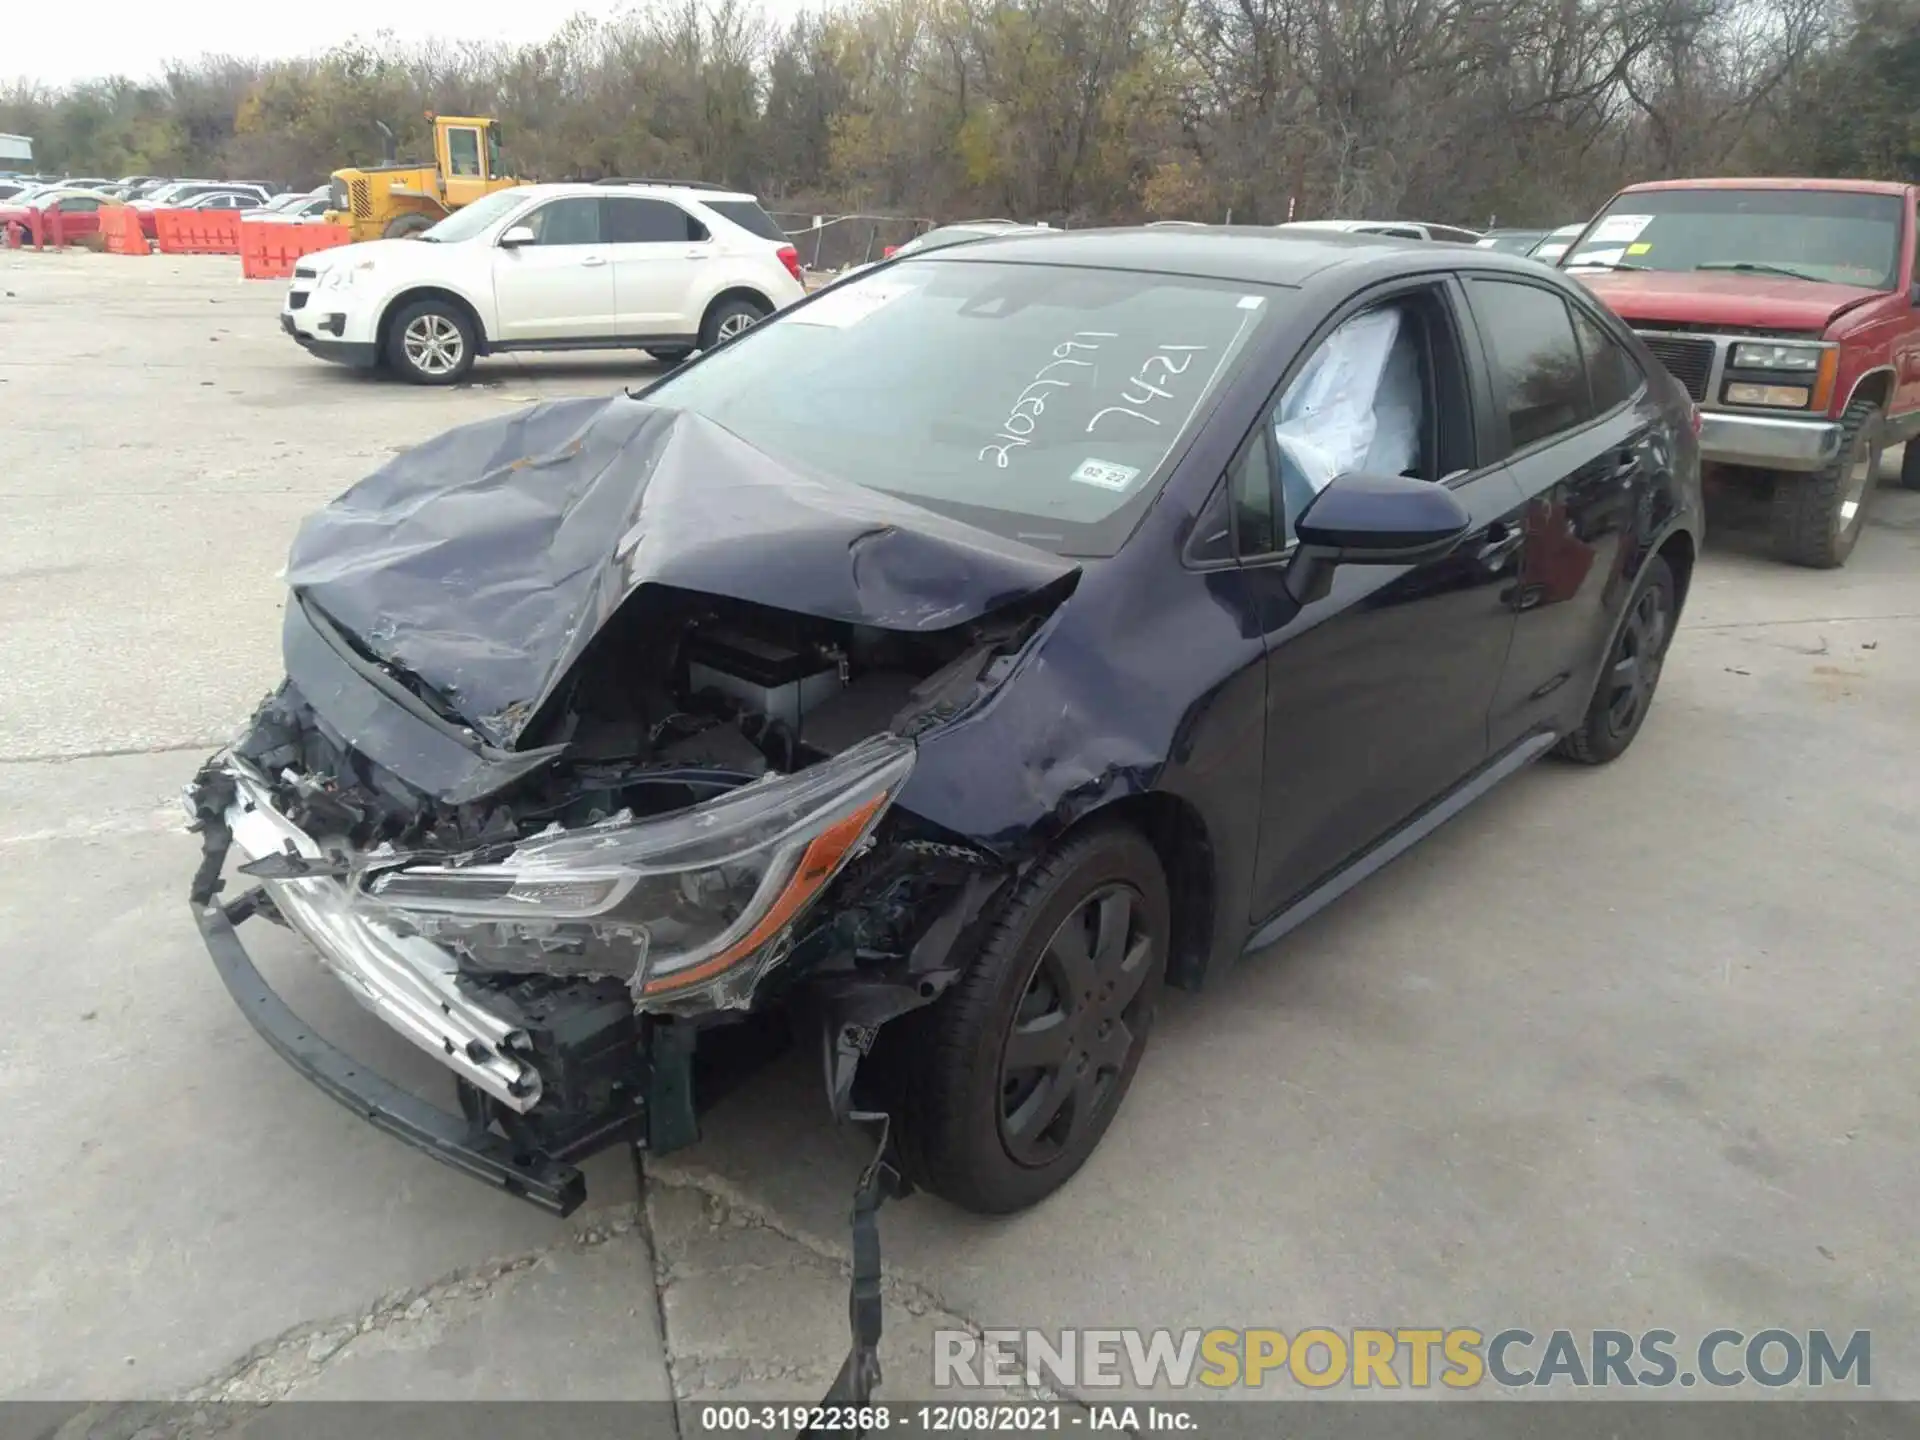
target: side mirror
1362 519
516 236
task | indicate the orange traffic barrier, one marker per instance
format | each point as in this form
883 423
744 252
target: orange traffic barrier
197 232
268 250
120 228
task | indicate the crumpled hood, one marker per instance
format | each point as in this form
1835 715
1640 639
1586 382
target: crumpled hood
1707 297
485 560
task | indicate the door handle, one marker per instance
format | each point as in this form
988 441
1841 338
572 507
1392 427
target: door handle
1502 540
693 255
594 260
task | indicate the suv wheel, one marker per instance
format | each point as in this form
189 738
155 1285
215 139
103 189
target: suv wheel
1818 518
431 343
1624 692
728 319
1021 1066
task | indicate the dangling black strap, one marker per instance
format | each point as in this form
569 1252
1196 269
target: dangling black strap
859 1376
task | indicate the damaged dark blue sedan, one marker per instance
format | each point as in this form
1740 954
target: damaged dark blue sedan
943 667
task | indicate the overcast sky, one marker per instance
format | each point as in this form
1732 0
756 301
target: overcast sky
57 43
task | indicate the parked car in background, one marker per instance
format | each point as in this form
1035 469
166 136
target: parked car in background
78 211
175 194
11 188
1511 242
197 195
221 200
292 209
814 682
1404 229
1549 250
1788 310
665 268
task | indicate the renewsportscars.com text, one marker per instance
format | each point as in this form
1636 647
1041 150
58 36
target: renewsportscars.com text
1460 1358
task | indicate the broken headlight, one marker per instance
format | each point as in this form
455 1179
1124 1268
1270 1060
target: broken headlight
675 904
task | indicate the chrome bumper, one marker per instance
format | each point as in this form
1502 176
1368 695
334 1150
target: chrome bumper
1768 442
409 982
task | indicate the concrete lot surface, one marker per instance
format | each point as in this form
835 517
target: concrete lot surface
1629 1047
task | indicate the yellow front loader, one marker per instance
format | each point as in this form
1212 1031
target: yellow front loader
395 199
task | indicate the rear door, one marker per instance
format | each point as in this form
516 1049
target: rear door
561 286
1580 429
1377 695
658 252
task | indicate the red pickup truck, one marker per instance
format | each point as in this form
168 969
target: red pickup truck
1789 310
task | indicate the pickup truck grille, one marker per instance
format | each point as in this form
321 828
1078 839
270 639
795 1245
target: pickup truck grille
1689 360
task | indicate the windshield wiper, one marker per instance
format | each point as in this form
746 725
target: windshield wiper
1751 267
1604 265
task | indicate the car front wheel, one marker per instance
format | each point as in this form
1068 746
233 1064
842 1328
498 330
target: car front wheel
1022 1065
1817 518
431 343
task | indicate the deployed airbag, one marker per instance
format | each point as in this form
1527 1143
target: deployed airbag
483 562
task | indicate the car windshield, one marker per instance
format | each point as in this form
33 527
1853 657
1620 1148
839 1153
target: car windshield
1042 403
470 220
1840 236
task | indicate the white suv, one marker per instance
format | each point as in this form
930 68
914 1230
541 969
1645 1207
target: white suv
665 268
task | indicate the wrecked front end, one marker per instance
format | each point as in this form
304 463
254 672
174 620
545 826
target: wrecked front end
650 824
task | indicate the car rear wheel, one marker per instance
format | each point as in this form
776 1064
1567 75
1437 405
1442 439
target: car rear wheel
728 319
1625 689
671 354
1817 518
431 342
1020 1067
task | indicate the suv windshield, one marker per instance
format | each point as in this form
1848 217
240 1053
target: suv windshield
1039 402
1841 236
470 220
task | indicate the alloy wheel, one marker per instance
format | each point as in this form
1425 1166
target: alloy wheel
433 344
1638 655
736 323
1075 1026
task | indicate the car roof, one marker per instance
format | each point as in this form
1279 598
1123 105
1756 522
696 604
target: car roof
1268 255
1777 182
641 187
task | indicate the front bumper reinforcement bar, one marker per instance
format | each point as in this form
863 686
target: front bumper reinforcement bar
450 1139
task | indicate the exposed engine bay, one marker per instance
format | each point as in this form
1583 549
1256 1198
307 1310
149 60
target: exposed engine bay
680 698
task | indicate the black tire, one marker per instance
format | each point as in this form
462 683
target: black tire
402 227
1910 464
669 354
418 329
993 1136
724 320
1817 518
1624 692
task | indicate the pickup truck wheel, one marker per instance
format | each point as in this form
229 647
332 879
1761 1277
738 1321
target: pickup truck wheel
431 343
1817 518
1020 1067
728 319
1624 692
1910 464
